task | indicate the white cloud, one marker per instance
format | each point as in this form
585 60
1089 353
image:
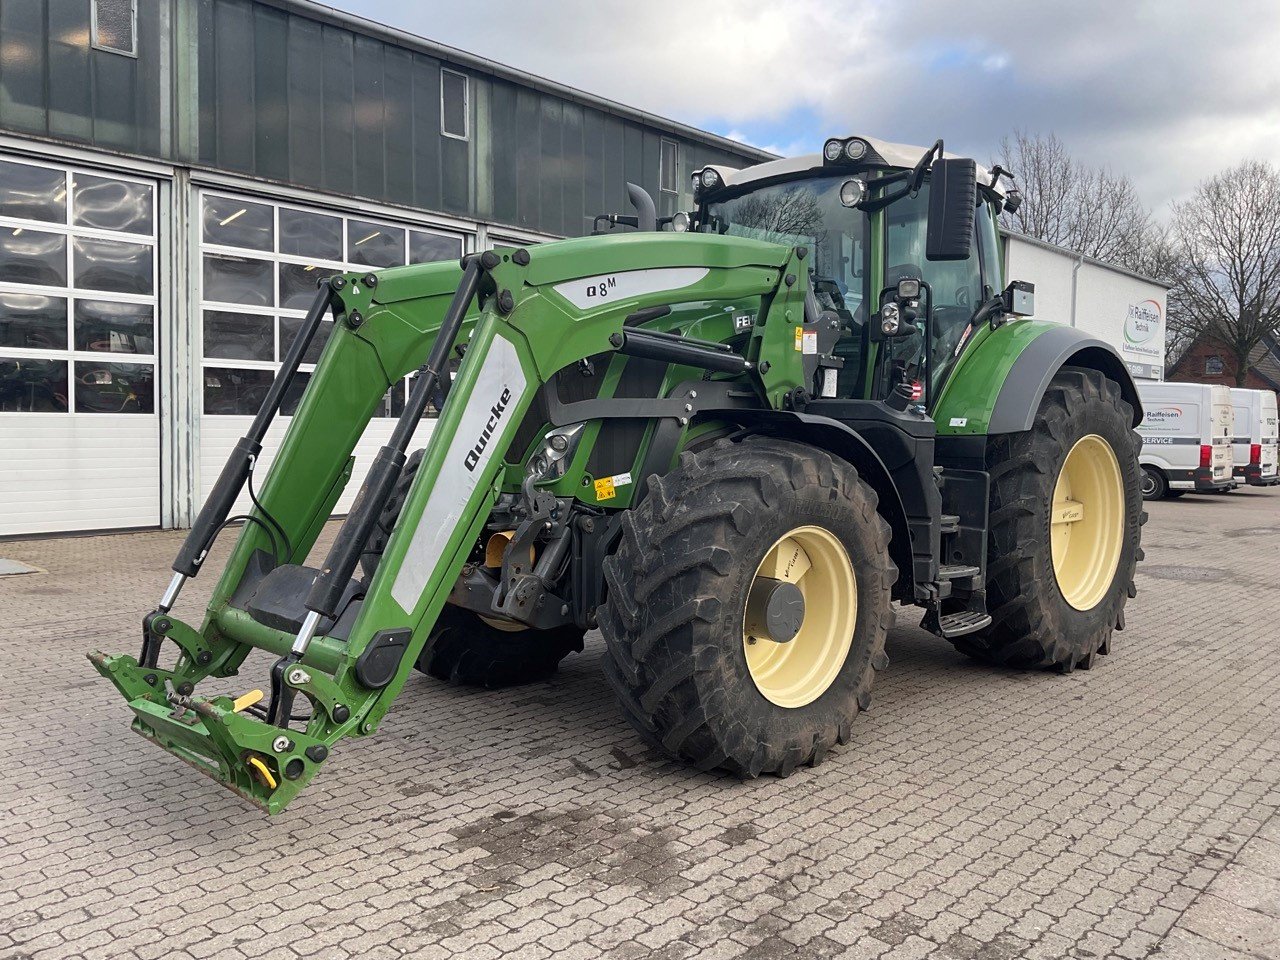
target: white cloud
1166 91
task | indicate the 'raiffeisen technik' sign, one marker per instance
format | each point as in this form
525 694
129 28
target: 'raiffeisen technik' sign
1143 341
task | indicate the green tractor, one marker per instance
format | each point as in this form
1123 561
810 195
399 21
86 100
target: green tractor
730 440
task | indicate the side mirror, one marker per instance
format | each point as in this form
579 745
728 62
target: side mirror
953 202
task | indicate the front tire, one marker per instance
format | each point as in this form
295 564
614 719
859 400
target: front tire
683 656
1066 521
464 649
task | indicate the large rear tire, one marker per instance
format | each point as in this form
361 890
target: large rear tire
697 674
1066 521
462 648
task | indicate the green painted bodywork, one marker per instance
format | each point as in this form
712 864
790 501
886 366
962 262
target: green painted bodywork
968 396
400 317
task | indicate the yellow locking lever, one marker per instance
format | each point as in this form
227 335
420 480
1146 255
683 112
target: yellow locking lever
246 700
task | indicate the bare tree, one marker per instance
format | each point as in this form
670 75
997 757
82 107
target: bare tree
1066 202
791 212
1228 237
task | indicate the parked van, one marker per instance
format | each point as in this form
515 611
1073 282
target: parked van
1256 452
1186 429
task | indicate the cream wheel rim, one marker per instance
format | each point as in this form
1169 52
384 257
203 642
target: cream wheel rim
1086 522
799 671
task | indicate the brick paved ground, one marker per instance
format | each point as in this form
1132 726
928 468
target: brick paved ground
1125 812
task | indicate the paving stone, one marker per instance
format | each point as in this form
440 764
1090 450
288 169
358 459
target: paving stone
1126 811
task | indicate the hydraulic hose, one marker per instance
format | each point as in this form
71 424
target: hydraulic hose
235 471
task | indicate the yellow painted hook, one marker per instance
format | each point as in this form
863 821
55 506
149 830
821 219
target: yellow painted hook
263 772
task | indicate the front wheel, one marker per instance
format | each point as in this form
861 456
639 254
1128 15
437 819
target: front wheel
1066 520
747 607
468 649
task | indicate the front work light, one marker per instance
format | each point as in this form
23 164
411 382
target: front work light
855 149
710 179
853 192
832 150
680 222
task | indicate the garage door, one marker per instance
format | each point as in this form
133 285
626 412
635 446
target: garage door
79 427
259 263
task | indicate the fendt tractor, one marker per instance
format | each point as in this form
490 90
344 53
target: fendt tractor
729 439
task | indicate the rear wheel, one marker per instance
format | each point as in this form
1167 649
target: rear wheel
747 607
1066 519
1154 485
462 646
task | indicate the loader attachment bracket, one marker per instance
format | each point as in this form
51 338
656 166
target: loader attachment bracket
259 762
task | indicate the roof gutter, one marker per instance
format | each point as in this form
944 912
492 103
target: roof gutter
402 38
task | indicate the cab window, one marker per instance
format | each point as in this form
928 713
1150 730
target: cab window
956 287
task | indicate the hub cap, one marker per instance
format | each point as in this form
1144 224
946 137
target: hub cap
796 670
1086 522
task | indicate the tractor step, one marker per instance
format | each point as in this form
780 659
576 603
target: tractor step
957 571
950 523
959 624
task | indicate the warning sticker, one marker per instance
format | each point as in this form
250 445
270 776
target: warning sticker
606 487
810 339
799 339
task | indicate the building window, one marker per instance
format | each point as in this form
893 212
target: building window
114 26
453 104
77 291
1213 366
669 167
259 264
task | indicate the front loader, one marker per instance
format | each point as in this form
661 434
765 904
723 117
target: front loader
730 447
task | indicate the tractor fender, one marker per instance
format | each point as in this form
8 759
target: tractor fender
1027 380
847 444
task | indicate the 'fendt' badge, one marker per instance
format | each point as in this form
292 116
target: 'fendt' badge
497 410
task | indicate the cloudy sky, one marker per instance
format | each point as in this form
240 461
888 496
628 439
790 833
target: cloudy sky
1165 91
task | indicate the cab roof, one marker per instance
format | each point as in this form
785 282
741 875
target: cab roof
883 154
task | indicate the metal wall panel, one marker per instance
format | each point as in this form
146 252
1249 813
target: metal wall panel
291 95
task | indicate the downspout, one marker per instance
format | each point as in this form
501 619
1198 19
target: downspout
1075 278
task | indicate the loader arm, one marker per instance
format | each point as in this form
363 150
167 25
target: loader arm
345 646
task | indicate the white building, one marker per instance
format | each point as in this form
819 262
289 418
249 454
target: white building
1123 308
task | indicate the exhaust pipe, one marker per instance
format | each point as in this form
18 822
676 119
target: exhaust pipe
646 212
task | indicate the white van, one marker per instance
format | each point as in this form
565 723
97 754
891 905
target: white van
1186 438
1257 437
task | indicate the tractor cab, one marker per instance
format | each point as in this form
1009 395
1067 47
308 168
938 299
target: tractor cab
904 251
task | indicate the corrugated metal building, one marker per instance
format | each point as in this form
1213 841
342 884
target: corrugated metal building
173 173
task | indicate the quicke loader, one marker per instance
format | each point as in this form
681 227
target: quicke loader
730 440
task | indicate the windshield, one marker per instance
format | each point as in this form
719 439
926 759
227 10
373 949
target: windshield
808 213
